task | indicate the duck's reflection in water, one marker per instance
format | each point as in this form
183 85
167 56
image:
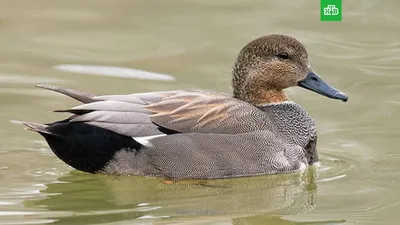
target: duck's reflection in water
89 199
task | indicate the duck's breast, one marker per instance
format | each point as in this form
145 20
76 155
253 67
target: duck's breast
292 122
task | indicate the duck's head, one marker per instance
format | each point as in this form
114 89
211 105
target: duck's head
269 64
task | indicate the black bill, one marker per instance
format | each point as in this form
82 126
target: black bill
314 83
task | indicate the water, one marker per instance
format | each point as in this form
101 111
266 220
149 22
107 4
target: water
195 43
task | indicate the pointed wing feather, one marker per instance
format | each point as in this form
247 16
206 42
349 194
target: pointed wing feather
126 118
129 129
81 96
112 106
139 98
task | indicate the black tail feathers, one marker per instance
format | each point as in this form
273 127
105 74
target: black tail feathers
85 147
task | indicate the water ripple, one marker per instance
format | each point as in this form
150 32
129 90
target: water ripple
112 71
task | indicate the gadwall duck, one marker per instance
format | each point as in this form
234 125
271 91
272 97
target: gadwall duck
199 134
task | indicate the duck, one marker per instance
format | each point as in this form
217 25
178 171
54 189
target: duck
198 134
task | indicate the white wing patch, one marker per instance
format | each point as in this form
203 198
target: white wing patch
145 140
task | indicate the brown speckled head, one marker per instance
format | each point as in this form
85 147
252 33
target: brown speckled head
266 66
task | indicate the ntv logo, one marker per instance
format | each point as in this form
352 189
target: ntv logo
331 10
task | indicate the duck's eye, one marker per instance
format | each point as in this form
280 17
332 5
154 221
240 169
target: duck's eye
283 55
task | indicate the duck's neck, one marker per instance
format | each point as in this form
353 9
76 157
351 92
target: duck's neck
270 96
257 94
260 97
